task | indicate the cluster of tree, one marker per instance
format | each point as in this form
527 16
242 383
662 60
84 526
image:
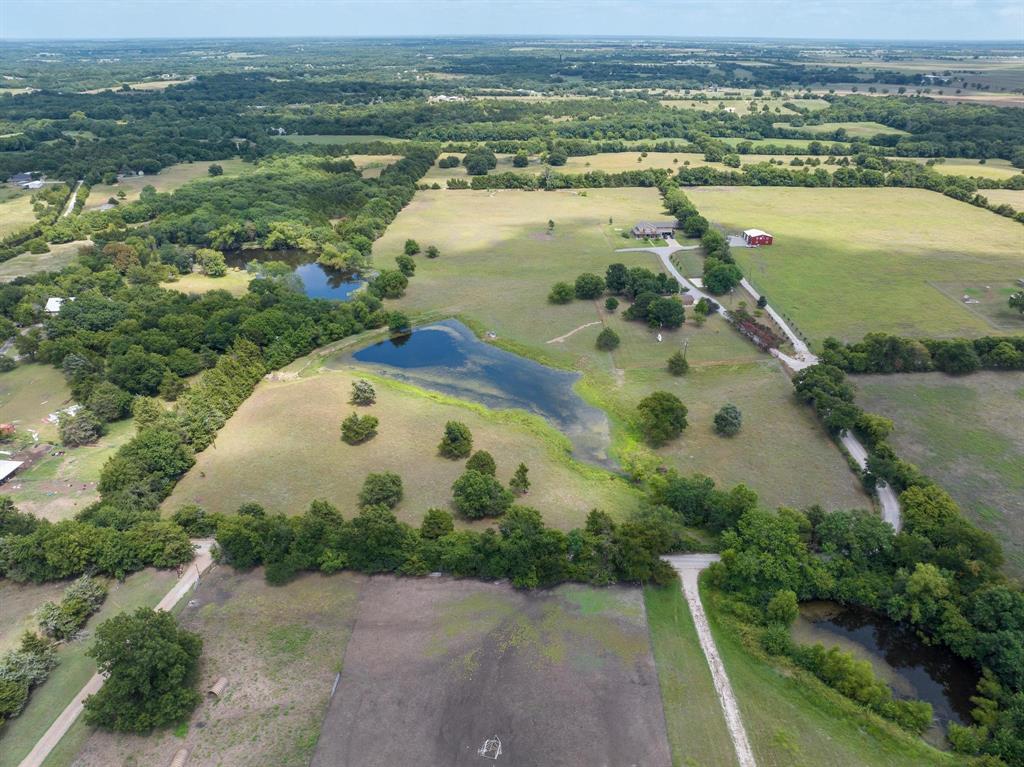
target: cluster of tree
548 180
21 670
884 353
98 542
522 549
479 160
80 600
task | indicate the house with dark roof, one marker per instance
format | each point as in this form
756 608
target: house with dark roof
652 230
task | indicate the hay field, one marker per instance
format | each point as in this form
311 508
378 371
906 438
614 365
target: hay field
966 432
283 449
167 180
496 267
1012 197
236 282
962 166
15 209
850 261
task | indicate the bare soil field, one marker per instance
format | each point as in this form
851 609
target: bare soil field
435 667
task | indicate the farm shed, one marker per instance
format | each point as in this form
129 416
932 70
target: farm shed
755 237
7 469
650 230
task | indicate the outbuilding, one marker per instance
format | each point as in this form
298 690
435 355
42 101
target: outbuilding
756 237
7 469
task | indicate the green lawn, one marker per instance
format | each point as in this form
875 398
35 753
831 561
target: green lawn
15 209
696 726
850 261
793 720
29 393
967 433
236 282
498 275
143 589
167 180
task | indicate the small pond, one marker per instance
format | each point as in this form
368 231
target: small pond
317 280
447 357
912 669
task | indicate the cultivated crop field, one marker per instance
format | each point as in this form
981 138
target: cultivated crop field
280 648
283 449
562 677
167 180
967 433
850 261
498 275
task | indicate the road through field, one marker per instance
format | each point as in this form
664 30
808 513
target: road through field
70 207
804 358
67 717
689 567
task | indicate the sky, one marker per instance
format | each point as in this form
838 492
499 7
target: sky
815 19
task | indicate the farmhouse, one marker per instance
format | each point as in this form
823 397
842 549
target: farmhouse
649 230
755 237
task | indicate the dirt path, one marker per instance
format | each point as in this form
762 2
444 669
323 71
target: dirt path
67 717
689 567
572 332
70 207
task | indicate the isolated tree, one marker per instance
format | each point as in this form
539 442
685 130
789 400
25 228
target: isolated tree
211 262
662 417
411 247
215 170
483 462
81 428
728 420
520 483
27 344
589 286
389 283
677 364
607 340
363 393
561 293
437 523
406 265
611 303
551 224
521 159
357 429
476 495
457 441
398 323
433 252
383 489
665 312
479 160
557 157
151 665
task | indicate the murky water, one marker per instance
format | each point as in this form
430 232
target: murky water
912 669
317 280
447 357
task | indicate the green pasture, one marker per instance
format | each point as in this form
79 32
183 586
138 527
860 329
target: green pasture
850 261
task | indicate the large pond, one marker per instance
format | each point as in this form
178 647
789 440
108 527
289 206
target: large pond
912 669
447 357
315 280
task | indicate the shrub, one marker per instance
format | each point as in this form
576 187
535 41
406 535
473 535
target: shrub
195 520
363 393
607 340
411 247
728 421
561 293
611 303
476 495
437 523
589 286
782 608
398 323
357 429
384 489
662 417
457 441
483 462
677 364
406 265
433 252
81 599
520 483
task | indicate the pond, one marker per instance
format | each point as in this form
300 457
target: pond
317 280
912 669
447 357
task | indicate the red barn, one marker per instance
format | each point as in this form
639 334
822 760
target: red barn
755 237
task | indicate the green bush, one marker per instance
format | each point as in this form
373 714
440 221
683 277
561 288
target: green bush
728 421
457 441
383 489
677 364
483 462
357 429
662 417
476 495
81 599
561 293
607 340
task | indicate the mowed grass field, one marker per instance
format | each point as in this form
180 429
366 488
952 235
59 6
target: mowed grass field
371 165
15 209
995 168
283 449
29 393
236 282
60 255
850 261
865 129
1011 197
280 648
967 433
496 267
803 723
142 589
167 180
